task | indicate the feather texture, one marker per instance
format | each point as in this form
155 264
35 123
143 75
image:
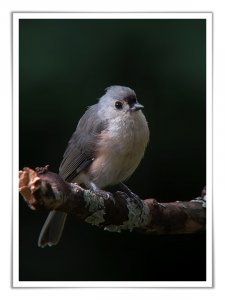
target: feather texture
82 147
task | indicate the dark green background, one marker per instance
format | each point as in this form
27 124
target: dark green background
64 66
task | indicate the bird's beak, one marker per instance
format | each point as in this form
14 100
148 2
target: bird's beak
137 106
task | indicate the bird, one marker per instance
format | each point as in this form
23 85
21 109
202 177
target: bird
105 149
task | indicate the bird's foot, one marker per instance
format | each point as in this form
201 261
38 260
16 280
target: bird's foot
132 195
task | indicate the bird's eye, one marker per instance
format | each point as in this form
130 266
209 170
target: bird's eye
118 105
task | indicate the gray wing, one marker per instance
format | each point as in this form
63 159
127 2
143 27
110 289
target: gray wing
79 154
81 148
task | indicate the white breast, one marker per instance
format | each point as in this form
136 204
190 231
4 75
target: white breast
121 149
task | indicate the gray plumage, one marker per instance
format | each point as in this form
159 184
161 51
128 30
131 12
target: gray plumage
105 149
52 229
81 148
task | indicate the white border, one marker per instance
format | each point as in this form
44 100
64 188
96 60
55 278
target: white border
16 18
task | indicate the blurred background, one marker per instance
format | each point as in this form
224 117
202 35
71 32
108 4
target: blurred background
64 67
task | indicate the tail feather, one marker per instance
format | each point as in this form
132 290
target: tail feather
52 229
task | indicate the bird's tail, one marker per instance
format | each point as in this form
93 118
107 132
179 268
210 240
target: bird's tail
52 229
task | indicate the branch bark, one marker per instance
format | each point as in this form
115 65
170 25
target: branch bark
42 189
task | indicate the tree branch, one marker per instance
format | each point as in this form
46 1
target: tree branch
43 189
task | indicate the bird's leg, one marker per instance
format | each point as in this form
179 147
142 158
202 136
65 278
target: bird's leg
135 197
93 187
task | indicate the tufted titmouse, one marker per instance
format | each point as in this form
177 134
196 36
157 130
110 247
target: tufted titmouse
105 149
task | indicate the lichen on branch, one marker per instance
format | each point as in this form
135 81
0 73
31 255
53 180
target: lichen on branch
42 189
